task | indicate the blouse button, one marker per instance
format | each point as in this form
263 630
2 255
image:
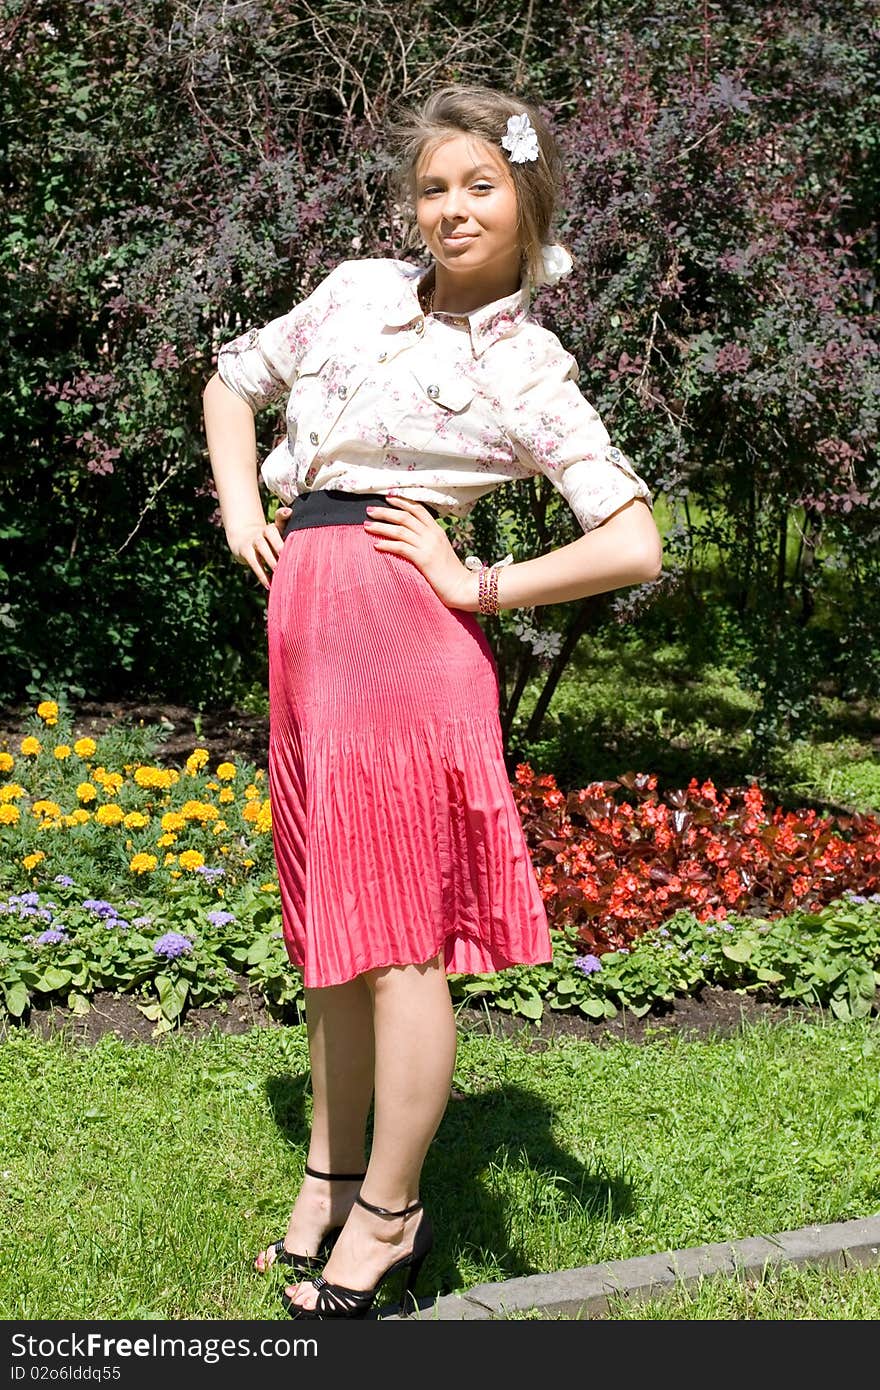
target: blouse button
614 453
383 356
313 438
343 392
433 392
420 326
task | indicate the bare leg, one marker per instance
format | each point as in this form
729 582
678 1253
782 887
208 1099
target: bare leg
339 1019
415 1034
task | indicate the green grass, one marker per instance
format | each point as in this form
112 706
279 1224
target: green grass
138 1181
780 1294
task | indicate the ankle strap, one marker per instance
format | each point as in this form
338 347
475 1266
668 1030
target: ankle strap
338 1177
383 1211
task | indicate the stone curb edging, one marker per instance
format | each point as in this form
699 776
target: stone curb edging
585 1291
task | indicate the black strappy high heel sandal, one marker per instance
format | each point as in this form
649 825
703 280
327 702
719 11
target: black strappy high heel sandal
336 1301
305 1265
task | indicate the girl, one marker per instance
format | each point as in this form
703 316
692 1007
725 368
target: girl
412 391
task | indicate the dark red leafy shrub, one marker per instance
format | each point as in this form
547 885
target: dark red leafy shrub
613 867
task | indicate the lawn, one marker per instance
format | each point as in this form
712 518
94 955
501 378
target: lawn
140 1179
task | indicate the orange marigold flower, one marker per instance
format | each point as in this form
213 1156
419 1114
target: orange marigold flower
85 748
31 746
143 863
192 859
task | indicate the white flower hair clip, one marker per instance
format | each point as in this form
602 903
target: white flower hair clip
555 263
521 140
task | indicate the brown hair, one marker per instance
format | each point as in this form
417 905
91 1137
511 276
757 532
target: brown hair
470 110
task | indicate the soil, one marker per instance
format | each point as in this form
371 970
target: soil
711 1013
227 733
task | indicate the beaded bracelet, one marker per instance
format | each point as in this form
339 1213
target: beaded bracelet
487 588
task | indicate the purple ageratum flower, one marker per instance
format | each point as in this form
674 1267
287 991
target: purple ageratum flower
51 937
172 945
142 921
662 931
25 899
220 918
710 930
100 908
856 898
64 879
587 965
210 872
121 923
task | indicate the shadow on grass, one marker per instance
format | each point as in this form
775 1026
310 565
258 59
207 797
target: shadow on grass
488 1142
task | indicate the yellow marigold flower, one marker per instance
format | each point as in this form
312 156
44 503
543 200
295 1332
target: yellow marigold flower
9 815
150 776
268 887
128 844
170 858
199 810
192 859
109 815
197 760
248 863
250 810
226 795
48 711
175 873
135 820
31 861
46 808
264 819
220 827
259 775
62 751
31 746
110 781
86 792
224 849
173 820
7 762
11 791
143 863
78 817
164 840
85 748
226 772
251 791
212 786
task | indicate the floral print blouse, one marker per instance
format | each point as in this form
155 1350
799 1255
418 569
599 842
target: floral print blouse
446 408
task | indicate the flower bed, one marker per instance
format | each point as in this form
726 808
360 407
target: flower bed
124 875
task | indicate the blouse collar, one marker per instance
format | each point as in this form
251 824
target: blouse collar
486 324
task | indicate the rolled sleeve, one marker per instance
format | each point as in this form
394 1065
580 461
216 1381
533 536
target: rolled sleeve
555 431
261 364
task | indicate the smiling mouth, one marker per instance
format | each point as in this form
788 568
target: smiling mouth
460 236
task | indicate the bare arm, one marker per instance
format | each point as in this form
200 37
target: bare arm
232 449
624 549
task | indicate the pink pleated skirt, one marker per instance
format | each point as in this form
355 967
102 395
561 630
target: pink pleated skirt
394 827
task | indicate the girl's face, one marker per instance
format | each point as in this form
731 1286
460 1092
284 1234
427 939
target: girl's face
466 206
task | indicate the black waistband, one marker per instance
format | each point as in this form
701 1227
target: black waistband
331 506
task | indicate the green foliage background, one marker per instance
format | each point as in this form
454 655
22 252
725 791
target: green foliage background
174 172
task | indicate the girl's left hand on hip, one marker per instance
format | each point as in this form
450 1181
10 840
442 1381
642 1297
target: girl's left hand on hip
407 528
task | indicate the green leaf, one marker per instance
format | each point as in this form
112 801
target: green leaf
16 997
52 978
530 1005
78 1003
593 1008
740 951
